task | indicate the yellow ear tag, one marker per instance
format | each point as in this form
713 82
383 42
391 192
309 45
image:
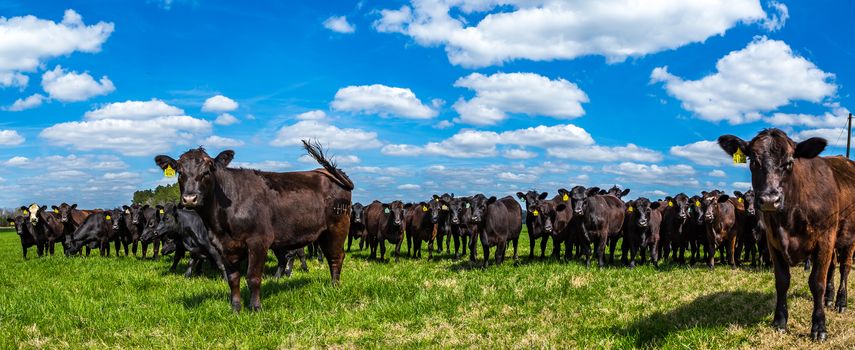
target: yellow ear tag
565 198
740 199
424 208
629 209
739 157
444 207
697 203
670 203
535 213
108 217
169 172
161 211
56 211
26 212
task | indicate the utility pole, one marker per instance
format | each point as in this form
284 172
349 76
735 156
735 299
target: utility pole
849 136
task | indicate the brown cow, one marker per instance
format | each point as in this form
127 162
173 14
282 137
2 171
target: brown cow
601 216
384 222
249 211
808 211
720 224
421 220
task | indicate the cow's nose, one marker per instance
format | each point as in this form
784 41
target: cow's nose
455 220
770 201
642 222
548 228
682 215
189 199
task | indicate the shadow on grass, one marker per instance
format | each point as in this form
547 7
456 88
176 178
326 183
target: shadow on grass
711 311
269 287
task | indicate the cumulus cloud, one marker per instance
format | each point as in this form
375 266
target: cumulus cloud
339 24
26 42
74 87
702 152
717 173
219 104
132 128
32 101
267 165
834 136
836 117
761 77
312 115
410 187
340 159
525 93
329 135
10 138
774 21
17 161
544 30
221 142
382 100
595 153
671 175
518 153
226 119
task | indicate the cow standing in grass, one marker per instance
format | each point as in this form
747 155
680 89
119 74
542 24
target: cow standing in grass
22 228
460 213
748 234
601 216
534 225
98 229
385 222
721 226
674 230
497 222
421 222
71 219
808 212
249 211
357 226
641 229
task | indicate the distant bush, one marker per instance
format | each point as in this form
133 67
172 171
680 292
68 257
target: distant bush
160 195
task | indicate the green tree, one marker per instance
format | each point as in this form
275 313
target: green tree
160 195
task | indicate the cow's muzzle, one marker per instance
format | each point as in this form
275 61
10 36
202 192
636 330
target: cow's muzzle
771 201
190 200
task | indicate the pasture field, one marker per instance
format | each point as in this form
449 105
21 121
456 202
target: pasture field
59 302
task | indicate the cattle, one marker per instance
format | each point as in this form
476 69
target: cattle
496 222
51 226
22 228
421 225
459 213
696 231
564 228
601 217
674 233
187 227
98 229
135 222
357 226
37 227
748 235
71 218
720 224
385 222
534 223
250 211
641 229
806 203
289 263
443 225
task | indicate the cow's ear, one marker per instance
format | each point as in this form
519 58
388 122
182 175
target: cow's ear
74 206
543 195
592 191
704 193
491 200
11 221
654 205
125 207
625 192
563 191
560 207
668 198
164 161
43 208
23 208
225 157
145 206
435 197
723 198
737 194
406 206
452 195
730 144
810 148
54 207
521 195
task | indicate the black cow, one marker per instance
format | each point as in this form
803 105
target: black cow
534 224
748 233
187 227
421 225
601 217
385 222
720 221
97 229
357 226
22 228
641 230
250 211
674 233
496 222
460 213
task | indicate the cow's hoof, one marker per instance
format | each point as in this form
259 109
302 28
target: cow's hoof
841 308
236 307
818 336
829 302
255 308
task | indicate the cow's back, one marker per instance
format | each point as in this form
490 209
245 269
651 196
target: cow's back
374 219
514 215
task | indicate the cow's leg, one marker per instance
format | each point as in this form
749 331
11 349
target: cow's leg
516 243
144 248
828 299
531 243
257 255
624 249
24 251
88 250
601 249
807 265
731 257
472 238
349 241
134 247
711 255
179 254
486 250
190 267
845 261
398 250
116 245
382 243
40 248
819 272
543 242
361 243
233 275
568 248
156 248
283 258
456 246
463 243
332 246
782 284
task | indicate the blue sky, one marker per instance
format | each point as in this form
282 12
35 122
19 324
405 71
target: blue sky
414 98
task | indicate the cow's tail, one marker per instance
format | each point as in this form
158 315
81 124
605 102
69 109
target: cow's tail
316 151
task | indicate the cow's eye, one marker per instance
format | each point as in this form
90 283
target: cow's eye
788 165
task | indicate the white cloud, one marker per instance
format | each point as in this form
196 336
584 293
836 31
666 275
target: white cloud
267 165
339 24
312 115
671 175
26 42
759 78
410 187
702 152
219 104
775 21
340 159
518 153
391 171
10 138
221 142
134 110
74 87
32 101
443 124
226 119
836 117
509 176
382 100
526 93
744 186
544 30
329 135
834 136
122 176
596 153
717 173
17 161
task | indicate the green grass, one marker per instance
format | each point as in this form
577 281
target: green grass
59 302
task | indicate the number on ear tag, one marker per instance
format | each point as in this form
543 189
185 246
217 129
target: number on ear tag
169 172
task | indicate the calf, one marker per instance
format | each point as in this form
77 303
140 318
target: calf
601 217
421 225
385 222
534 223
51 225
720 224
134 225
187 227
98 229
459 213
22 228
443 225
71 219
250 211
674 228
806 203
357 226
641 229
497 222
696 231
37 226
748 235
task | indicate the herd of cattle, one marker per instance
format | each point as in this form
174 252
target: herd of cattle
802 209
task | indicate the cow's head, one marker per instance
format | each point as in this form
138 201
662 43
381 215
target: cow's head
478 205
32 212
21 224
642 207
696 209
151 223
679 203
196 173
710 204
435 206
772 156
579 195
455 211
532 200
115 217
615 191
547 210
747 200
356 213
168 222
395 211
64 210
135 214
